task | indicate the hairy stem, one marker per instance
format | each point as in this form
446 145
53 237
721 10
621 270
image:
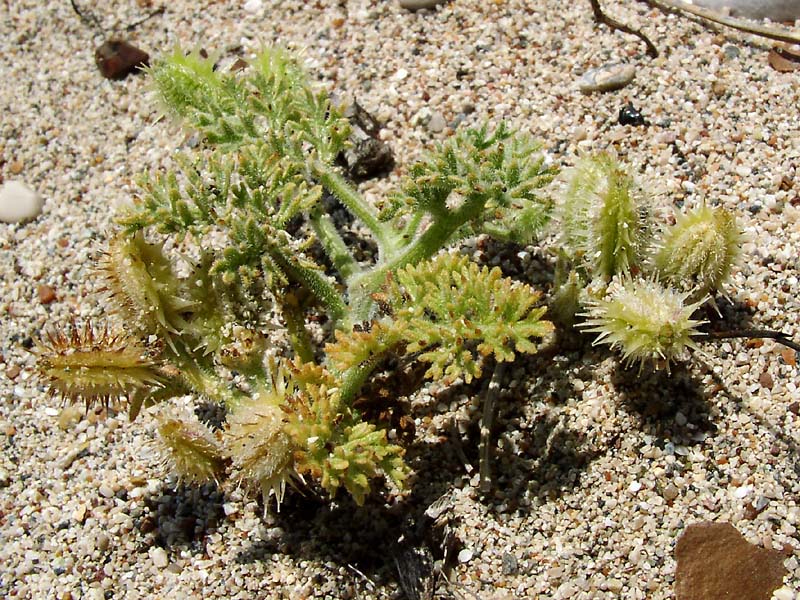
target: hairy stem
294 317
334 245
315 282
336 185
487 421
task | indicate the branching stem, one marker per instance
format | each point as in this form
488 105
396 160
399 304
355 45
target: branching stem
336 184
601 17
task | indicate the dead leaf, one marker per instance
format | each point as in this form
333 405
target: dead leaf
784 60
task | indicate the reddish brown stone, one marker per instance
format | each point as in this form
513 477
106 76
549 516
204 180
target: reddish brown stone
766 381
46 294
13 371
117 58
789 356
715 561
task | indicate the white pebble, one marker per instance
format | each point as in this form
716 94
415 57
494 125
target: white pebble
18 202
607 78
437 123
783 593
159 557
253 6
743 491
465 555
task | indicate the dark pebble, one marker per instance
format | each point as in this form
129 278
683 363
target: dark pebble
630 115
117 58
510 566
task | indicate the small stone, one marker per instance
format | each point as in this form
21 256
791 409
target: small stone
670 492
253 6
766 381
731 52
419 4
159 557
789 356
719 88
783 593
783 60
16 167
116 59
510 565
102 542
715 561
79 514
13 371
46 293
437 123
465 555
18 202
607 78
630 115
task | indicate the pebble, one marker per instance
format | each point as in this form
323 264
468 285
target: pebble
670 492
437 123
419 4
46 293
607 78
18 202
253 6
159 557
465 555
116 59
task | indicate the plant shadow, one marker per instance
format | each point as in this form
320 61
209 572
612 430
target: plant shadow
181 516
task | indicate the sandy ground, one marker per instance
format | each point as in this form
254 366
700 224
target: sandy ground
598 471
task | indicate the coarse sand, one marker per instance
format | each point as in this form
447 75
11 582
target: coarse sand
597 470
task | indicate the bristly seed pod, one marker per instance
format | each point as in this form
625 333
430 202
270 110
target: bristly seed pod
257 443
604 217
95 365
140 278
697 253
644 320
189 447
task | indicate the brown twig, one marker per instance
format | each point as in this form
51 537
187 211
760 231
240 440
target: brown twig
779 337
601 17
773 33
89 19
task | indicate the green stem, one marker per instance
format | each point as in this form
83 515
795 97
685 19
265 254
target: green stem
315 282
421 248
296 327
334 245
353 378
202 378
336 185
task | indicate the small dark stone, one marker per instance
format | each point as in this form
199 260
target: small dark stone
117 58
731 52
630 115
510 566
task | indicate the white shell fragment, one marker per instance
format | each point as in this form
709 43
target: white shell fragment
18 202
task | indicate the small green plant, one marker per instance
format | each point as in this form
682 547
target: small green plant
248 210
238 237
